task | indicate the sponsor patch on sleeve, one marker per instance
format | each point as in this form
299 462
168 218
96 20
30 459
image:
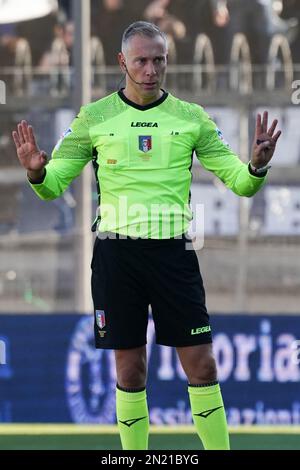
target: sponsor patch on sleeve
65 134
221 137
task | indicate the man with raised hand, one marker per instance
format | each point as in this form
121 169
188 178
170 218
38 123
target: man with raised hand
141 140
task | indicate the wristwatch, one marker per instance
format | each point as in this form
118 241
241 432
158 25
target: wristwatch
39 181
258 171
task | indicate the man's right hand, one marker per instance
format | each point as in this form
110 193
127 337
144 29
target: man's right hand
30 156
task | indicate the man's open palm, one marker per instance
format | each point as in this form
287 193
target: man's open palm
264 141
30 156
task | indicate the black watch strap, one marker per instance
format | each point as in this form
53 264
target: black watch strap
40 180
258 174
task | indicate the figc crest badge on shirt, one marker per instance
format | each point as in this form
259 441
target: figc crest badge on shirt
145 143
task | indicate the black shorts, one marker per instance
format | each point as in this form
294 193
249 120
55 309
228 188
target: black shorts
128 275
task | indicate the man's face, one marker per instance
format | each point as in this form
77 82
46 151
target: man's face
146 61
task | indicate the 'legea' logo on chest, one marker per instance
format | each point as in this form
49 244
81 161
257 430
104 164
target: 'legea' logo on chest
144 124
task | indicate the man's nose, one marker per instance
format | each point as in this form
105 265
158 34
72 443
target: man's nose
150 68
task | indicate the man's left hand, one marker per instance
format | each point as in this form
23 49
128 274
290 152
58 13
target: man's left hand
264 141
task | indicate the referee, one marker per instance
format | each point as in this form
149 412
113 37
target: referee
141 140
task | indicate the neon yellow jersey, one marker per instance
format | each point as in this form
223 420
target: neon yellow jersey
142 156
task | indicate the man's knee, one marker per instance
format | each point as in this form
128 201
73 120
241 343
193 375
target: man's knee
198 363
131 366
206 372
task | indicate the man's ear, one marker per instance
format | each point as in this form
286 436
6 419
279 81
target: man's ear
122 61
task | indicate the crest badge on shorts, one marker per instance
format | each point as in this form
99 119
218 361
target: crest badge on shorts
100 318
145 143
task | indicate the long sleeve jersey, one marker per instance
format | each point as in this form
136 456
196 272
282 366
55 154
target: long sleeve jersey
142 157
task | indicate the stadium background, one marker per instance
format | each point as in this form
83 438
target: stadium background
49 370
